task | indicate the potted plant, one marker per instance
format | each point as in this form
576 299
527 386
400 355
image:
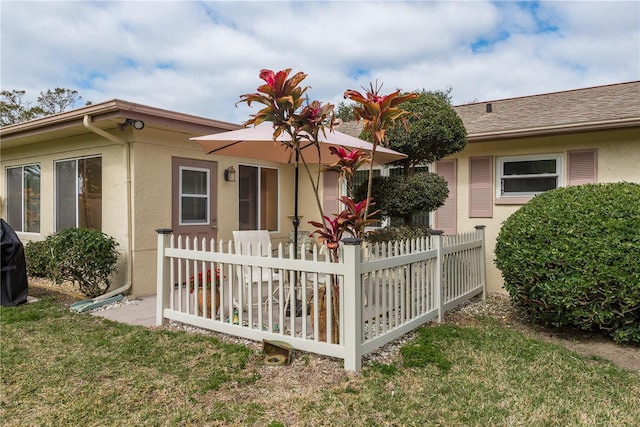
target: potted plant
212 281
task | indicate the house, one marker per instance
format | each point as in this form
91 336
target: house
128 169
519 147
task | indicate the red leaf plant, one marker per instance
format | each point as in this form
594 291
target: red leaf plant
347 164
209 282
378 113
351 220
283 98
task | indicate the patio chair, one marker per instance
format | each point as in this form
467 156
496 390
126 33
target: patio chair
249 242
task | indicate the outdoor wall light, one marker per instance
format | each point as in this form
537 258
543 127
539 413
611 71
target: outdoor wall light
230 174
137 124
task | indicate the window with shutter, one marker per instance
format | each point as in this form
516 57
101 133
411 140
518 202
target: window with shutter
446 215
522 177
582 167
480 187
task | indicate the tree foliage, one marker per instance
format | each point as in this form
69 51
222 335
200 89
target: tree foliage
344 111
434 130
13 108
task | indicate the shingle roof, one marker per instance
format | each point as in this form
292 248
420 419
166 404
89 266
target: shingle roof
614 104
350 128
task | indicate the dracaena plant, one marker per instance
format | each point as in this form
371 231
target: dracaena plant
350 220
358 215
347 164
288 109
378 113
330 233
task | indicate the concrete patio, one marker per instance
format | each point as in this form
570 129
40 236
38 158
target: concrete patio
136 311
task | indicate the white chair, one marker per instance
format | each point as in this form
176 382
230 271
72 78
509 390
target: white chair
257 243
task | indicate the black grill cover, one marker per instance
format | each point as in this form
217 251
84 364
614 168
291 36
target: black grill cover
13 286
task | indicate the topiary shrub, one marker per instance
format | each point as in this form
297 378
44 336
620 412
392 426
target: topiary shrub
402 197
571 257
83 256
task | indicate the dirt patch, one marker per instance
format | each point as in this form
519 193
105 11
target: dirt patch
65 293
586 343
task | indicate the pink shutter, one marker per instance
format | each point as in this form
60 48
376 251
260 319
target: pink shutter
480 187
582 166
330 193
446 215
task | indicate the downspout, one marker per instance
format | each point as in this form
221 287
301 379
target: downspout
113 295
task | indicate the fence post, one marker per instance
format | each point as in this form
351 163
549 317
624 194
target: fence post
162 275
436 236
483 260
352 304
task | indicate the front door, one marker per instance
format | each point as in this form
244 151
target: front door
193 207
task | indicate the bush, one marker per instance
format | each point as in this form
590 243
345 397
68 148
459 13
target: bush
399 233
401 197
38 258
85 257
570 257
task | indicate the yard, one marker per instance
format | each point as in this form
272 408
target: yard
482 367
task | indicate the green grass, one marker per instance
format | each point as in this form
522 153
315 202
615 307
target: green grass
60 368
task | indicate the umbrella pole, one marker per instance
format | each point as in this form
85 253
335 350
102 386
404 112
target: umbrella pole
296 223
296 220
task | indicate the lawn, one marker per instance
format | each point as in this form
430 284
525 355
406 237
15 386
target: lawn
61 368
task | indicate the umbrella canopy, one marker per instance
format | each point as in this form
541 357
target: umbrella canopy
257 143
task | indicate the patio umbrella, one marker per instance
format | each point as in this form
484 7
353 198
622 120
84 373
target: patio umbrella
257 143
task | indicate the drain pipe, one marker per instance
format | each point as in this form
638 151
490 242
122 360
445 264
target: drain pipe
113 295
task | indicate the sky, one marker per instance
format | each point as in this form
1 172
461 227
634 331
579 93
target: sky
199 57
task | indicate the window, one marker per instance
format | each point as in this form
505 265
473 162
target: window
362 176
194 196
526 176
258 198
23 198
79 193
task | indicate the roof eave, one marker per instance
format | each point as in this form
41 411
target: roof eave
108 109
551 130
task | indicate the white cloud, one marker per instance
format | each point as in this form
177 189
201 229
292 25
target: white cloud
199 57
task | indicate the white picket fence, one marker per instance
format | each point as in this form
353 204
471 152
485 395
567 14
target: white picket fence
381 291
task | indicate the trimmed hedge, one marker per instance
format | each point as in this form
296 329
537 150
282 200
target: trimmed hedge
84 256
571 257
38 258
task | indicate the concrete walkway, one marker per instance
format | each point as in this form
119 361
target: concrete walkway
136 311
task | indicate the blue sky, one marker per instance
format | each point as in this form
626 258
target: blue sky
199 57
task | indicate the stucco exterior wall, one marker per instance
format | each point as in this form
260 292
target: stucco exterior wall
113 178
618 160
152 153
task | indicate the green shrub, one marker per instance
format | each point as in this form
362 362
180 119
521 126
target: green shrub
402 197
570 257
83 256
38 258
399 233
